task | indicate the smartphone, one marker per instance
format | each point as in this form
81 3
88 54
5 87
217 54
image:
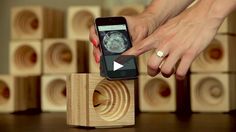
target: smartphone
114 40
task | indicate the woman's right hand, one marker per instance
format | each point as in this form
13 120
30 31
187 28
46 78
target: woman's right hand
140 26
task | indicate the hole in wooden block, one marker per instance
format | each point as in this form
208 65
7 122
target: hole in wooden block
26 22
82 21
156 92
25 57
4 92
111 100
128 11
59 54
209 91
56 92
214 52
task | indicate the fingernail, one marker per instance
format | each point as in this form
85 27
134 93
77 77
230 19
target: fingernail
97 59
180 77
94 42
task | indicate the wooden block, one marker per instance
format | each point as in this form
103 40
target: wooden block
127 10
18 93
213 92
64 56
143 60
93 66
36 22
96 102
157 94
228 26
25 57
217 57
79 20
53 93
32 94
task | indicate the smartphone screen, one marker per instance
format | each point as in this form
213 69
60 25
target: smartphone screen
115 40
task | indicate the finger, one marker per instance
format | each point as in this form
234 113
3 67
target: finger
168 66
154 63
184 65
96 54
153 72
93 36
169 74
142 47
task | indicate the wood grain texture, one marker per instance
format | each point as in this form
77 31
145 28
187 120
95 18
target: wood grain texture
79 20
127 10
213 92
36 22
96 102
218 56
157 94
228 26
62 56
53 93
18 93
25 57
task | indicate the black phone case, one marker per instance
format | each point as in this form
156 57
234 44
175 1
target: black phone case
102 68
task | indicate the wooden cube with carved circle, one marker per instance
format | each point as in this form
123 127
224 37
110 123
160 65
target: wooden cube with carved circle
79 20
127 10
25 57
213 92
53 93
96 102
18 93
64 56
157 94
36 22
218 56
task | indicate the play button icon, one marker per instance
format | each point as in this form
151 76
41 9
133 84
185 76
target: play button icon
117 66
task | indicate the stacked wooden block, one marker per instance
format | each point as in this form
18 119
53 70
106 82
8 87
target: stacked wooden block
19 93
31 26
213 87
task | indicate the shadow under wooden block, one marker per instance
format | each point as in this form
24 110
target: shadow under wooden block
183 106
157 94
213 92
53 93
17 93
36 22
127 10
96 102
93 66
228 26
79 20
218 56
25 57
143 60
64 56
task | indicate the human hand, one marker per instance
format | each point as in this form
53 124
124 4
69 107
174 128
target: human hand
140 26
181 38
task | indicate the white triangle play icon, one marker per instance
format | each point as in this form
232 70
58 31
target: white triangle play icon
116 66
